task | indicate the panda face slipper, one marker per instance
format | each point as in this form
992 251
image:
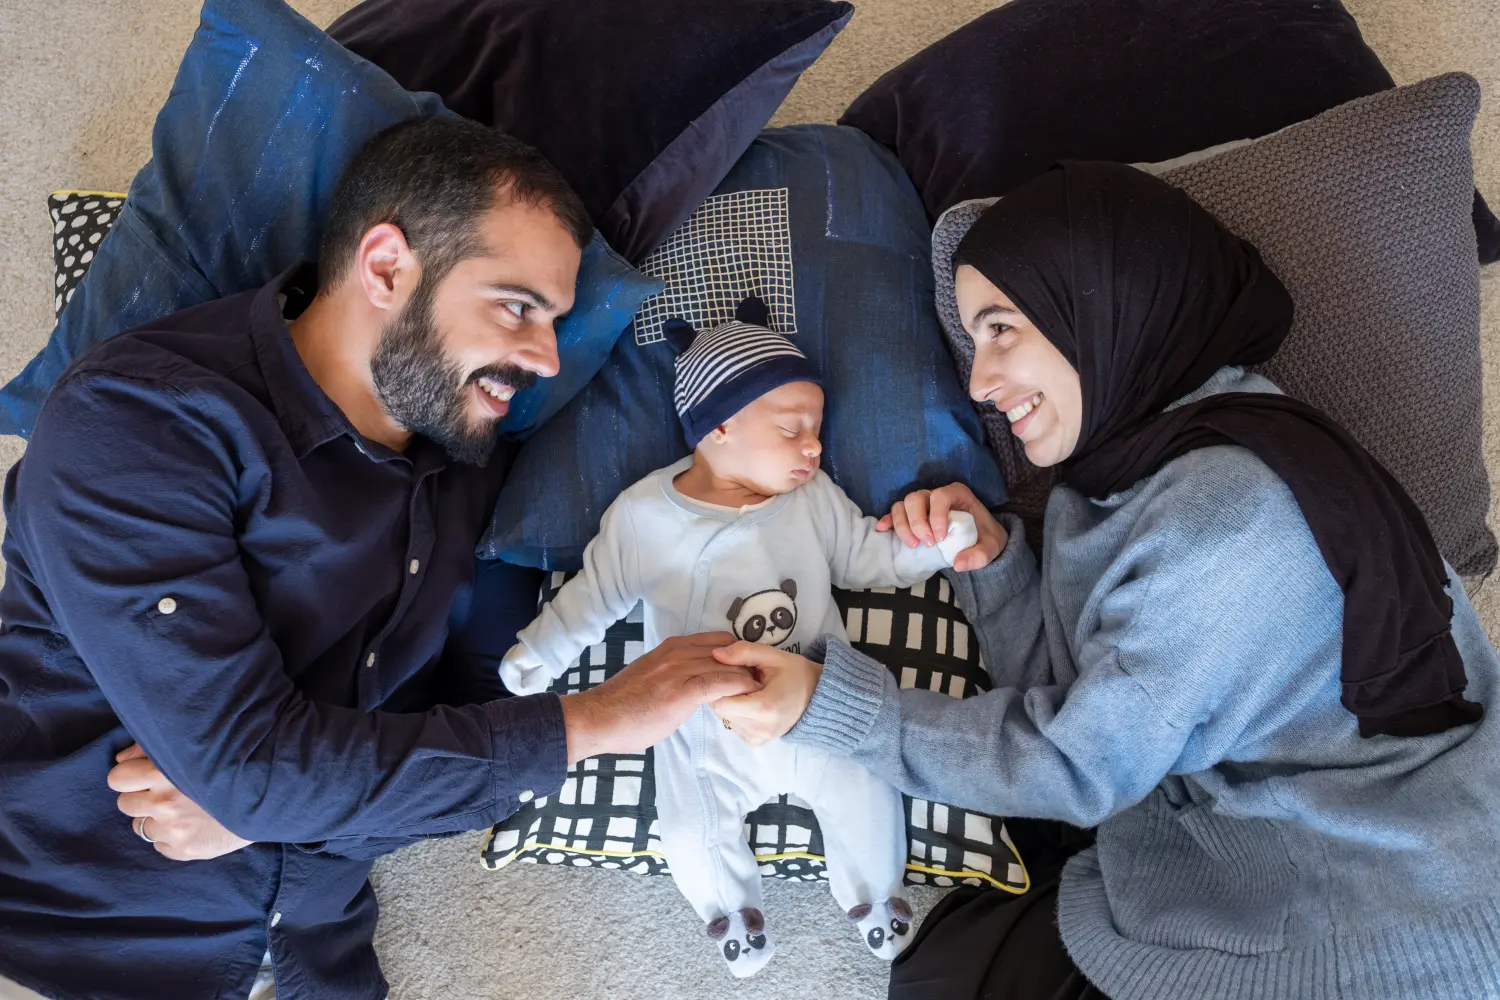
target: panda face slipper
744 941
885 927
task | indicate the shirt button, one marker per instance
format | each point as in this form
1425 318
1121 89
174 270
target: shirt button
526 796
412 569
166 605
275 918
370 660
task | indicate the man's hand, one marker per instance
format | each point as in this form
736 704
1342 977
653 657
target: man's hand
643 704
179 828
788 681
922 519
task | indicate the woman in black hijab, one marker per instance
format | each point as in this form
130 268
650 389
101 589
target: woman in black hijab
1243 659
1160 298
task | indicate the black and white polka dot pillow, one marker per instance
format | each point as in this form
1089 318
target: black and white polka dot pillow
80 221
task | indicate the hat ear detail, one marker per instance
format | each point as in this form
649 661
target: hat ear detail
752 309
679 333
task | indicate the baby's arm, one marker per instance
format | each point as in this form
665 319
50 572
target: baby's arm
583 610
860 556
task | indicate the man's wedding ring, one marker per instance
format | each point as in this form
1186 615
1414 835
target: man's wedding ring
140 829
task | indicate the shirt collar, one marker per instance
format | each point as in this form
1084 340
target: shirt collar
309 418
303 409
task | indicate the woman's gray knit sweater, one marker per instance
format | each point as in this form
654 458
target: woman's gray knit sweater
1172 675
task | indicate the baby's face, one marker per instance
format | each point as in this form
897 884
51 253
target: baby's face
771 445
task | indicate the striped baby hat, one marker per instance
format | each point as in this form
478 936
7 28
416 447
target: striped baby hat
723 370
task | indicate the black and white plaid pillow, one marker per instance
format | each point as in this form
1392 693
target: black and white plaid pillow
80 221
605 814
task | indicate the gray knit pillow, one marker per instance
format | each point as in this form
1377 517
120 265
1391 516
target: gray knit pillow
1364 213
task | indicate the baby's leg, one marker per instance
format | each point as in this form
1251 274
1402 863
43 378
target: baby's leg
863 820
701 817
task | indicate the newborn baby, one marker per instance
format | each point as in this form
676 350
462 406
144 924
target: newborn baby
745 534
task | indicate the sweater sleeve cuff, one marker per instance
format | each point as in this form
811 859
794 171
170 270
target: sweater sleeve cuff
530 748
982 592
846 701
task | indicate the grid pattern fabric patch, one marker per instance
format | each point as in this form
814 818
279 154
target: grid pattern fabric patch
734 245
605 814
80 221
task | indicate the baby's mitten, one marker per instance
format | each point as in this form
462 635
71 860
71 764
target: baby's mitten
744 941
884 926
962 534
521 673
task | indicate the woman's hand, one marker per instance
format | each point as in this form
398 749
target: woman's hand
922 519
178 828
787 683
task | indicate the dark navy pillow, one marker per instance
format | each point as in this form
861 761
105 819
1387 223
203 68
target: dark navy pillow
644 106
1138 81
824 225
265 114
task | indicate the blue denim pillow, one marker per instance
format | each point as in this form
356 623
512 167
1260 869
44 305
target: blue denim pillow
823 224
265 114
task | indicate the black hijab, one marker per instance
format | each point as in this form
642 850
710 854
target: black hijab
1147 295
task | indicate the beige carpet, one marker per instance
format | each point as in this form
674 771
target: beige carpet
80 83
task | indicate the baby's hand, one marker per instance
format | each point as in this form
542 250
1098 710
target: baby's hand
519 677
931 517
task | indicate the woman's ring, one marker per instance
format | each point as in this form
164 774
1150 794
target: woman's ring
140 829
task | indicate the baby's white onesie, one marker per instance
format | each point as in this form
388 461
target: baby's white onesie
766 574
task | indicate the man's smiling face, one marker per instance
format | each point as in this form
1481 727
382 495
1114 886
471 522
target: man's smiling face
448 363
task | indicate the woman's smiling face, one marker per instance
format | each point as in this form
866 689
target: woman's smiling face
1019 370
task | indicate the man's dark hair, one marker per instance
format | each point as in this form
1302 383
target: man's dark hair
433 178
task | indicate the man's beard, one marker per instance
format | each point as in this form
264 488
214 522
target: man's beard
426 392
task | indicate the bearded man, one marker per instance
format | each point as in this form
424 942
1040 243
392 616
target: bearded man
240 564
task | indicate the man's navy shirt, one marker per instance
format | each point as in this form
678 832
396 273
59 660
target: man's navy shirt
205 557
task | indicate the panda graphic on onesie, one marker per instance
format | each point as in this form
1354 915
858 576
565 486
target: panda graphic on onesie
745 535
767 617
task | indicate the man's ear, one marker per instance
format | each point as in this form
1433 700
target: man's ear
383 264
